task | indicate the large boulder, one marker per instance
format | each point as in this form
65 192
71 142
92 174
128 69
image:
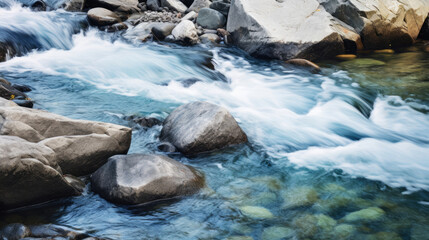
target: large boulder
284 29
185 32
210 19
201 127
123 6
29 174
142 178
424 32
381 23
81 146
102 17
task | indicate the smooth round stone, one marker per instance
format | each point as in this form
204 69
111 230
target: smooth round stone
299 197
256 212
102 17
366 215
210 18
277 233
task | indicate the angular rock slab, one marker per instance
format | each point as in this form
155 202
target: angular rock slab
142 178
284 29
201 127
29 174
80 146
381 23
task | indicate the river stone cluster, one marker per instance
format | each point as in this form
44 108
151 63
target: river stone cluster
43 154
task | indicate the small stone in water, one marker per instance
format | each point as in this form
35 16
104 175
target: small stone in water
300 197
368 214
256 212
240 238
277 233
385 236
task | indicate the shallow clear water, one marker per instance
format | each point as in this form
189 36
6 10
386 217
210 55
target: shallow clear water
321 146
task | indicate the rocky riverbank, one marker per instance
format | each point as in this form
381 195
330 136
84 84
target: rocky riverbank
312 29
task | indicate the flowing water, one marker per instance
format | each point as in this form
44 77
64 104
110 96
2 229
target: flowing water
321 146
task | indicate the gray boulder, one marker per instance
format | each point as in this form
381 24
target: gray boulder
211 19
283 29
199 4
81 146
142 178
123 6
153 5
221 7
163 30
185 32
29 174
102 17
174 5
381 23
201 127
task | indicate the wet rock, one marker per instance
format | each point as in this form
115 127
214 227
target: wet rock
201 127
142 178
166 147
146 122
29 174
80 146
256 212
14 231
211 19
307 31
174 5
365 215
199 4
35 5
6 51
162 31
5 82
122 6
22 88
221 7
310 226
190 16
380 23
24 103
210 38
73 5
115 27
9 92
277 233
102 17
240 238
42 231
185 32
153 5
304 63
299 197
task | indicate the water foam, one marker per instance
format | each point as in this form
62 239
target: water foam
309 119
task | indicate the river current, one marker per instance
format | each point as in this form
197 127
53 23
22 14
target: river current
321 146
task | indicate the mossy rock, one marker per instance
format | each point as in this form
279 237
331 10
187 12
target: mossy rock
300 197
365 215
343 231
